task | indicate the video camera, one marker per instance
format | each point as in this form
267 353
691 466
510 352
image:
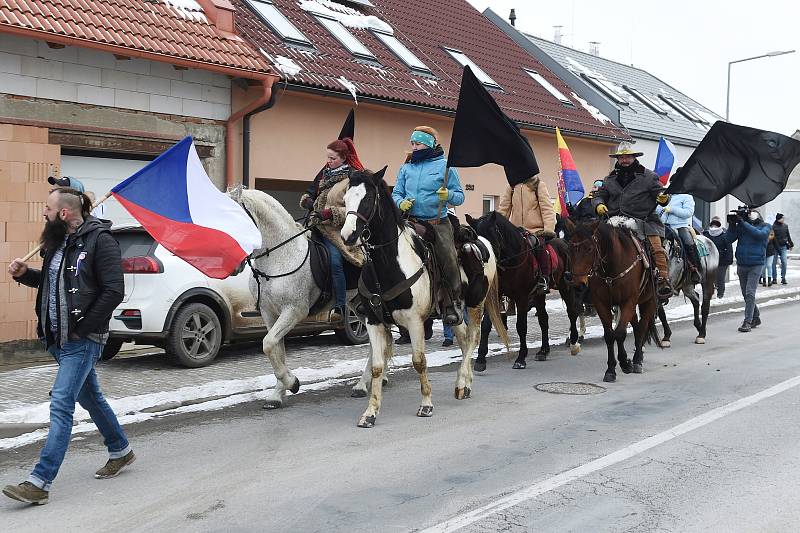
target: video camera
743 212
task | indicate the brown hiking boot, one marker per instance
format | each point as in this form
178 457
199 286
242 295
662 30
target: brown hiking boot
114 466
663 289
26 492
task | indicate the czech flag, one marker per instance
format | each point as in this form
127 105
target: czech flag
177 204
665 160
570 187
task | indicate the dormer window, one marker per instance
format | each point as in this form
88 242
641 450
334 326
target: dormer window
277 22
465 61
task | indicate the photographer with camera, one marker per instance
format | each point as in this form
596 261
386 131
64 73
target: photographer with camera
747 226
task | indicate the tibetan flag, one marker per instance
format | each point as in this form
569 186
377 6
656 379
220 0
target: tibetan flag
665 160
570 187
177 204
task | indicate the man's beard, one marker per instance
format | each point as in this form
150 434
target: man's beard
53 234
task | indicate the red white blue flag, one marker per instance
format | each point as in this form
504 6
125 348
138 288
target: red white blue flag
175 201
665 160
570 187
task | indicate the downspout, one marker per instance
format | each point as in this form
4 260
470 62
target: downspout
230 130
246 139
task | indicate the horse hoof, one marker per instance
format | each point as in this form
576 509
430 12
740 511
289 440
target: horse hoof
479 366
519 365
580 339
385 381
626 367
575 349
610 377
700 340
358 393
425 411
272 404
367 422
462 394
637 368
295 386
666 344
467 392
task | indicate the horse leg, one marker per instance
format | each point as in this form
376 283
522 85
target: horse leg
483 347
662 316
573 311
582 329
360 389
695 299
626 314
544 324
274 349
466 337
708 292
417 332
379 337
522 332
647 318
606 317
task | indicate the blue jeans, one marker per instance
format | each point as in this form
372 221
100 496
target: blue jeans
448 332
337 274
769 268
76 380
780 252
748 282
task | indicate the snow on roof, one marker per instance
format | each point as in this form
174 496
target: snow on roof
350 86
347 16
600 117
188 9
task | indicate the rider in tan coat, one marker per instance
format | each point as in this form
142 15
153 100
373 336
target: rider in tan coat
528 205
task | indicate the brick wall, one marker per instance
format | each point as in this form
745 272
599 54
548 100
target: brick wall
26 160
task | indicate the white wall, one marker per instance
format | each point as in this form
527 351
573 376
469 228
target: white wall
82 75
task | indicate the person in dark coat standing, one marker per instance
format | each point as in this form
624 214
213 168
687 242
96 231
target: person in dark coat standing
769 263
634 191
752 233
783 243
721 240
78 287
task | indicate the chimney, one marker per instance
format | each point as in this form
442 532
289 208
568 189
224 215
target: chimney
512 18
594 48
220 13
557 36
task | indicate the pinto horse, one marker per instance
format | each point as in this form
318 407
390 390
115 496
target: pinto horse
397 286
607 257
518 275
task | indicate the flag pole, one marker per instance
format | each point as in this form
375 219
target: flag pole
39 247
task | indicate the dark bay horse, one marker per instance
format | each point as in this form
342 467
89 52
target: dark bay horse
681 281
608 258
518 273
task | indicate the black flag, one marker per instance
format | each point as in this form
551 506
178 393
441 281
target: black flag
348 130
752 165
482 134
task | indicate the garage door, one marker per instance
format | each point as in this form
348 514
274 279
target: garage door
100 175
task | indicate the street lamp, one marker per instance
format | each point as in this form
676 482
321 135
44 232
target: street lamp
728 92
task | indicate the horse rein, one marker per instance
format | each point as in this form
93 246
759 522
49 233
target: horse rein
594 271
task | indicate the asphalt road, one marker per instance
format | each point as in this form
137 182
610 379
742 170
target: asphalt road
516 458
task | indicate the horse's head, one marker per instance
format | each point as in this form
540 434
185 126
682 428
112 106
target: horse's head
362 202
496 229
584 254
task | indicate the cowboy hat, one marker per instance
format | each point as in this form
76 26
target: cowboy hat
625 148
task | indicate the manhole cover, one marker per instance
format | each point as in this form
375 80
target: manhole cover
561 387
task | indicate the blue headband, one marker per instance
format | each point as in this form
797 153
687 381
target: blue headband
423 138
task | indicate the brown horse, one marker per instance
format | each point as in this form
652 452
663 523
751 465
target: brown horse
518 273
607 257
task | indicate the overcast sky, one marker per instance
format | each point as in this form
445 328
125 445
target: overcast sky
688 44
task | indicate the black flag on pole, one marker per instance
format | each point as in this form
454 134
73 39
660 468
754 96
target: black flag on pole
752 165
482 134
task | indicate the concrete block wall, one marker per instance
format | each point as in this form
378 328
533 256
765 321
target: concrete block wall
85 76
26 160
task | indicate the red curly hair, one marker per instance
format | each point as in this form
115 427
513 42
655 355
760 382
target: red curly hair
347 151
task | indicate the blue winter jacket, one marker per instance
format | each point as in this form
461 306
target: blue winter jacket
420 181
752 247
681 210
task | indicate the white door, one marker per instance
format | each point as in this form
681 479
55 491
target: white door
100 175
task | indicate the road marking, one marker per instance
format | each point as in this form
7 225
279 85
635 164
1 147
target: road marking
528 493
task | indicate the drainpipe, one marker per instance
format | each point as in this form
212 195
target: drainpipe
246 139
230 130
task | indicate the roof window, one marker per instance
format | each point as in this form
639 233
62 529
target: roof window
400 50
549 87
681 108
605 87
465 61
365 3
646 100
279 24
353 45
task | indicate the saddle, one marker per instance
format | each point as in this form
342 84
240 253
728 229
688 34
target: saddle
536 243
321 272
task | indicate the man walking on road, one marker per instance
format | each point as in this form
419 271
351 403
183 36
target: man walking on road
783 243
78 288
752 232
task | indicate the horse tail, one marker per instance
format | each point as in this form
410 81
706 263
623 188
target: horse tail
652 334
493 309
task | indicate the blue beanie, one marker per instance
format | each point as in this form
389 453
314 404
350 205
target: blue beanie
423 138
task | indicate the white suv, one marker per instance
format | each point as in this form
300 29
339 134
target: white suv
170 304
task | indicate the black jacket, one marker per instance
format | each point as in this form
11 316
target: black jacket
723 244
584 210
782 237
636 199
90 285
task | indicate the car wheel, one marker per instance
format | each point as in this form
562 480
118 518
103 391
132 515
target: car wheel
355 332
195 336
111 349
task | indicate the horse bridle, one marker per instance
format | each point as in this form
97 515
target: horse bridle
366 219
598 262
